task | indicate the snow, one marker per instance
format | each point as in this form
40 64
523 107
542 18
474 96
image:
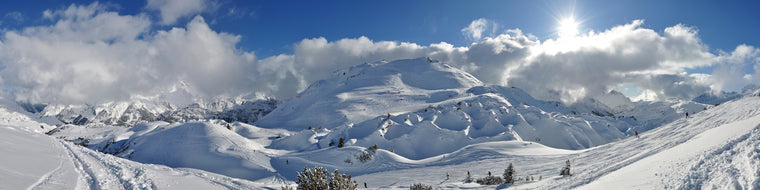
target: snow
32 160
428 119
648 173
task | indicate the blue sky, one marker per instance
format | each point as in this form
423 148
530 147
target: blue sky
272 27
287 34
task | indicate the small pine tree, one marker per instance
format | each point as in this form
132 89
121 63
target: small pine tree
338 181
312 179
420 186
373 148
490 180
509 174
364 157
319 179
341 142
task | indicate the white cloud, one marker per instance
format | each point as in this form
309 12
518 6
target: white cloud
476 29
737 69
171 10
597 62
92 55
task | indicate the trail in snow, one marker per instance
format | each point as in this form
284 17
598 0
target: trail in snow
665 169
597 162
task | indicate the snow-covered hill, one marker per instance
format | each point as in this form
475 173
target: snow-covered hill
407 105
369 90
130 113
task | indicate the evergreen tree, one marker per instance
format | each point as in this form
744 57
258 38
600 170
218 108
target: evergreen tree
509 174
420 186
319 179
312 179
341 142
338 181
373 148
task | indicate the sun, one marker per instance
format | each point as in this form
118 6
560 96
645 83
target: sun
568 27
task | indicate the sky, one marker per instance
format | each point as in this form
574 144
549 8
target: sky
59 51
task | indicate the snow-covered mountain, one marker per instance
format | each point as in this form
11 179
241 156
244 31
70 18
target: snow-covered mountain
369 90
407 105
717 98
431 122
130 113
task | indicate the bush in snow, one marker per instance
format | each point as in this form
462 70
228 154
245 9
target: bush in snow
341 181
509 174
490 180
420 186
312 179
318 179
373 148
364 157
341 142
566 170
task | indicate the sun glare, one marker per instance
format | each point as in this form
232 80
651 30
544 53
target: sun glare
568 27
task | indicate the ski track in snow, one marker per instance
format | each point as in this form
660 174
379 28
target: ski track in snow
53 179
98 171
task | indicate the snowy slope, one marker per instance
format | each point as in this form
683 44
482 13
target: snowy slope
32 160
716 148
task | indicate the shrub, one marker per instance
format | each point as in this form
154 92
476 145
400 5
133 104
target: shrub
373 148
341 142
364 157
341 181
490 180
420 186
318 179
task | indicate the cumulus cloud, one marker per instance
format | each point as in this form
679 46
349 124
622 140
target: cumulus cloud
477 27
597 62
316 59
737 69
567 69
93 55
171 10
